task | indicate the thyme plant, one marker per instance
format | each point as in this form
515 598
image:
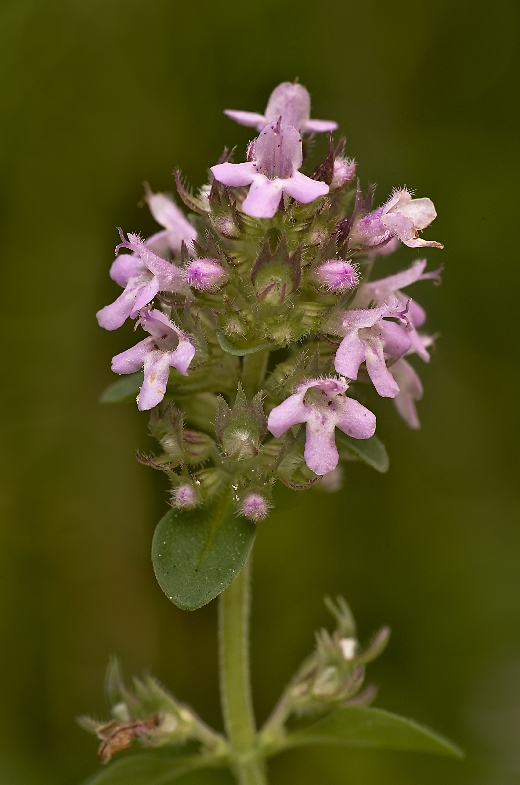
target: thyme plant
264 322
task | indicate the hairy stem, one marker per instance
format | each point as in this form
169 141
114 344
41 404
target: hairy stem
234 607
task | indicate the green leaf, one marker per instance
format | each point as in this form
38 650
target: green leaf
123 390
148 769
230 349
197 553
371 451
358 726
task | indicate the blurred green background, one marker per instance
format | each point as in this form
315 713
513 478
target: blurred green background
98 96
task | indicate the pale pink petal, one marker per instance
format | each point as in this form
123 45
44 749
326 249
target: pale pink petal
292 102
263 198
318 126
350 355
166 212
157 324
278 151
182 356
251 119
381 377
400 280
133 359
234 175
112 316
144 295
356 420
288 413
417 242
395 338
321 453
410 390
303 189
156 372
125 267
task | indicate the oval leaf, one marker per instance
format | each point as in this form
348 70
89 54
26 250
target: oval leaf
371 451
123 390
230 349
147 769
358 726
197 553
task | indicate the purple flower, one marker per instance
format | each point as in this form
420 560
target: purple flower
276 157
410 390
177 229
323 405
289 101
168 347
401 217
143 274
205 274
369 338
379 291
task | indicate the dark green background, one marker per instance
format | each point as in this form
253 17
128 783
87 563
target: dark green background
99 95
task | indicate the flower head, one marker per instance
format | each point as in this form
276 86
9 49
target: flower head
323 406
402 217
290 101
167 347
143 274
368 337
276 156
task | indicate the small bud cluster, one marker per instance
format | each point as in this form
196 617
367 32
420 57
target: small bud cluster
333 675
150 715
264 322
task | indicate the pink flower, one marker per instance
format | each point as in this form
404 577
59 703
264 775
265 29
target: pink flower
337 275
401 217
379 291
289 101
143 274
205 274
276 157
323 406
369 338
167 347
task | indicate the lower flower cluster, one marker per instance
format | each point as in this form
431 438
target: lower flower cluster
265 326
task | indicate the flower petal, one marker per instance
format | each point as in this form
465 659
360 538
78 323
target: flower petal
234 175
356 420
288 413
318 126
112 316
156 373
182 356
321 453
303 189
380 376
125 267
132 360
410 390
144 295
251 119
263 198
349 356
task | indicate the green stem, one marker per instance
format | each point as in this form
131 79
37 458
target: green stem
234 607
254 367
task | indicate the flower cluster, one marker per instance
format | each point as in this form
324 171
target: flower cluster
266 328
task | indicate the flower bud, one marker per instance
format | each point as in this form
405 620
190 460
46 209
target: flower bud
185 497
337 275
254 506
343 172
205 274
